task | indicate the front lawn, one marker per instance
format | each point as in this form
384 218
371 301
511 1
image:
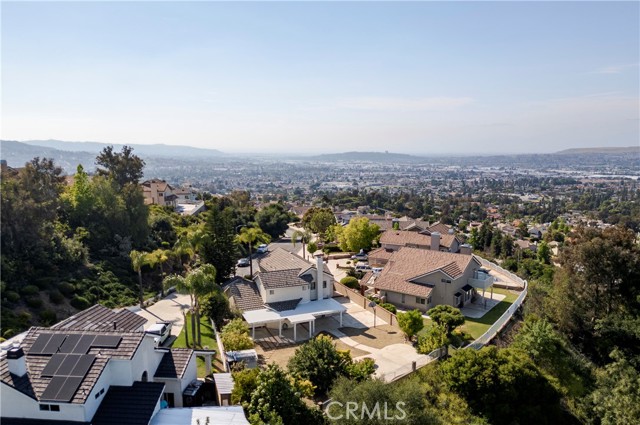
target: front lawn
476 327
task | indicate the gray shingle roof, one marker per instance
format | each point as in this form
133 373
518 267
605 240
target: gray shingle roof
245 294
281 279
34 384
279 259
174 363
99 318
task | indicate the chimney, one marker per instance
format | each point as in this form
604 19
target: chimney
465 249
17 361
435 241
320 274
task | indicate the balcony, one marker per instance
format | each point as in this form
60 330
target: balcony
481 280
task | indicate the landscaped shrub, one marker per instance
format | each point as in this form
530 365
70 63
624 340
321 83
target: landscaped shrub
80 303
30 290
34 302
48 317
235 336
66 288
389 307
56 297
12 296
350 282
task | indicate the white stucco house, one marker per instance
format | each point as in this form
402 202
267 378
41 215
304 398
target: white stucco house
286 291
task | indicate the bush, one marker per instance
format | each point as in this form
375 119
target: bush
30 290
34 302
350 282
12 296
389 307
56 297
80 303
235 336
67 289
435 337
48 317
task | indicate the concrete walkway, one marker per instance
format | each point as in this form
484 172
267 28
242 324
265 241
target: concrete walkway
168 309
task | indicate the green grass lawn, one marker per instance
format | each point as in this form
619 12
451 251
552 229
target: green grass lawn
208 341
476 327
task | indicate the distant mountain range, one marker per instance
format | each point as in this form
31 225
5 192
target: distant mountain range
613 150
157 150
366 156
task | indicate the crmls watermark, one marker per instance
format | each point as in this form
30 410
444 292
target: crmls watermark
355 410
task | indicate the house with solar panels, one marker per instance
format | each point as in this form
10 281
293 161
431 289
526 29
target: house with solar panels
97 367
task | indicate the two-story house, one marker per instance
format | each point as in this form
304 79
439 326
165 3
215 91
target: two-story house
158 192
97 367
286 291
392 240
420 279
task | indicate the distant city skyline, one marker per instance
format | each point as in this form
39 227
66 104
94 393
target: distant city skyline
305 78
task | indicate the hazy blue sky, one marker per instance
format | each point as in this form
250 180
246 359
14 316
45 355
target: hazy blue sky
436 77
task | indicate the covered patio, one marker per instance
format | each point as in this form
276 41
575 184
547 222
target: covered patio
305 314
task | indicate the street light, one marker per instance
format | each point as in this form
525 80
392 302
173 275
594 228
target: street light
373 306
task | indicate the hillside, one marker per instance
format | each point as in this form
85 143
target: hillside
612 150
157 150
17 154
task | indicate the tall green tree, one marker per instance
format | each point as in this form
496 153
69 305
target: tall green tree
617 397
358 234
305 237
138 261
410 322
447 316
273 220
220 247
123 167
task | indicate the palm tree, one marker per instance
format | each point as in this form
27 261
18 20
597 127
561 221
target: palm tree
198 283
160 257
190 243
138 261
250 236
305 237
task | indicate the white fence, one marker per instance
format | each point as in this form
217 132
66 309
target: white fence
499 324
223 354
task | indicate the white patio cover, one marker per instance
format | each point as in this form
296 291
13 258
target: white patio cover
227 415
303 313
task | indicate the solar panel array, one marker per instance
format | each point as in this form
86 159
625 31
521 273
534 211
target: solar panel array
69 362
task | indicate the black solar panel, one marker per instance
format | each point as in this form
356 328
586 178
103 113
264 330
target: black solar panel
53 388
54 344
68 364
40 343
53 365
82 367
82 347
107 341
70 343
61 388
68 389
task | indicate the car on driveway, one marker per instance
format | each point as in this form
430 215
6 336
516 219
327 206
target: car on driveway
160 331
363 267
361 256
243 262
262 249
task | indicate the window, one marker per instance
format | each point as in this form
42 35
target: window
313 286
420 300
429 300
324 283
270 291
50 407
445 280
55 408
44 407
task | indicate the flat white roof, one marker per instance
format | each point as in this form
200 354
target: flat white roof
224 415
303 313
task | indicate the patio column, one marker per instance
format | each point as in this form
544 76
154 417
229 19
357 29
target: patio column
253 330
280 328
310 329
295 328
484 300
340 319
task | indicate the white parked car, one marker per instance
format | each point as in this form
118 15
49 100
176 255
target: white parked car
160 331
363 267
262 249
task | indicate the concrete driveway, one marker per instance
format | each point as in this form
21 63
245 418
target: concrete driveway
168 309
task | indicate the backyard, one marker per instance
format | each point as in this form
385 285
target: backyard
477 326
208 341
